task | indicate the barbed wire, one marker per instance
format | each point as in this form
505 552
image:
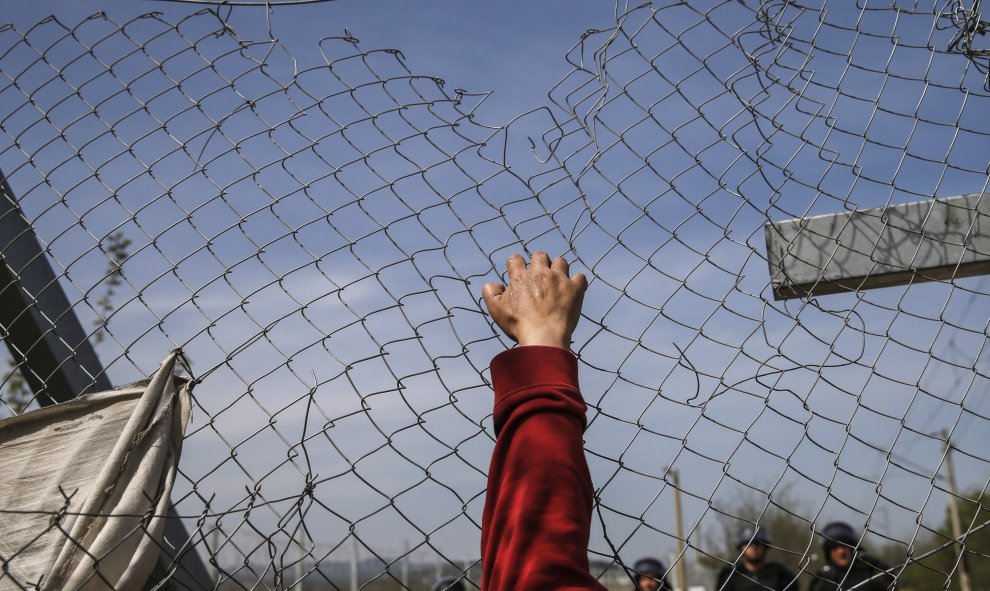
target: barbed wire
313 231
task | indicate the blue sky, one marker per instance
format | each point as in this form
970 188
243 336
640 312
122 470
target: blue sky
695 367
515 46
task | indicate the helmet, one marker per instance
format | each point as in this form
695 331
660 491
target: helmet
649 567
449 584
837 533
749 534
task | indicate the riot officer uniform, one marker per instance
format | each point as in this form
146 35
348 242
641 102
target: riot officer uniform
863 570
768 576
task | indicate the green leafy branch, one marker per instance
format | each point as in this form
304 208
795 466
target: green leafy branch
116 249
16 395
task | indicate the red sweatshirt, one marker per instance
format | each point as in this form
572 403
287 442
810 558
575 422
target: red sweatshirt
537 519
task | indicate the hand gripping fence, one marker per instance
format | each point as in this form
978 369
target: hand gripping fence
313 229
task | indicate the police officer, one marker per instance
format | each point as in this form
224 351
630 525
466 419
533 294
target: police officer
649 575
449 584
846 565
753 572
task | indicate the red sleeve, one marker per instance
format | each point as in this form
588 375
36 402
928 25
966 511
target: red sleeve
537 519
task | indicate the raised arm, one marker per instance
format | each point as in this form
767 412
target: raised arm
537 518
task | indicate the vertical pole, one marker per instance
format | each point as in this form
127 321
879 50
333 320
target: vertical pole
679 524
354 563
216 554
405 565
298 570
954 515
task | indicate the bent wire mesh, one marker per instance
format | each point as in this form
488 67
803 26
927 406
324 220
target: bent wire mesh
313 231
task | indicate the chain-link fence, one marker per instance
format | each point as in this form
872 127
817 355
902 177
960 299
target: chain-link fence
313 232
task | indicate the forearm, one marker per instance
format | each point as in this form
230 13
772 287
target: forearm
537 518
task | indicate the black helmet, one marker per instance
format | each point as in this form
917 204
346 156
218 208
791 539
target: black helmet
449 584
749 534
650 567
837 533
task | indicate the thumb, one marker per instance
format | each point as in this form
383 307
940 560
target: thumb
492 292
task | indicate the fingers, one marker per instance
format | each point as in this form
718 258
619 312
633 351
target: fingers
581 281
539 259
516 266
492 292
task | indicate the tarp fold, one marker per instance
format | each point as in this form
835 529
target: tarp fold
85 486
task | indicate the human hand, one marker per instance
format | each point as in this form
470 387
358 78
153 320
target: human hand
541 305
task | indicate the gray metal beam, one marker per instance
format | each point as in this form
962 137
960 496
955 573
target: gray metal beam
929 240
56 358
36 320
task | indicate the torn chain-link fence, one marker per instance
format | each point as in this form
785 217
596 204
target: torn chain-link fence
313 230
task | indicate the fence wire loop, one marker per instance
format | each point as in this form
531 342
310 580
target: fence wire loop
310 222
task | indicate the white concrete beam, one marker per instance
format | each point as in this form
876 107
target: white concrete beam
935 239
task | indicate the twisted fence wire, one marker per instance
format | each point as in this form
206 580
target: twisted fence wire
313 231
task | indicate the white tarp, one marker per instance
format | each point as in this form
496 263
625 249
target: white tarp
84 486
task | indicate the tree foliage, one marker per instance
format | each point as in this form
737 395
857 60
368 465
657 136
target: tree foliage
14 391
116 248
794 543
938 570
931 564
